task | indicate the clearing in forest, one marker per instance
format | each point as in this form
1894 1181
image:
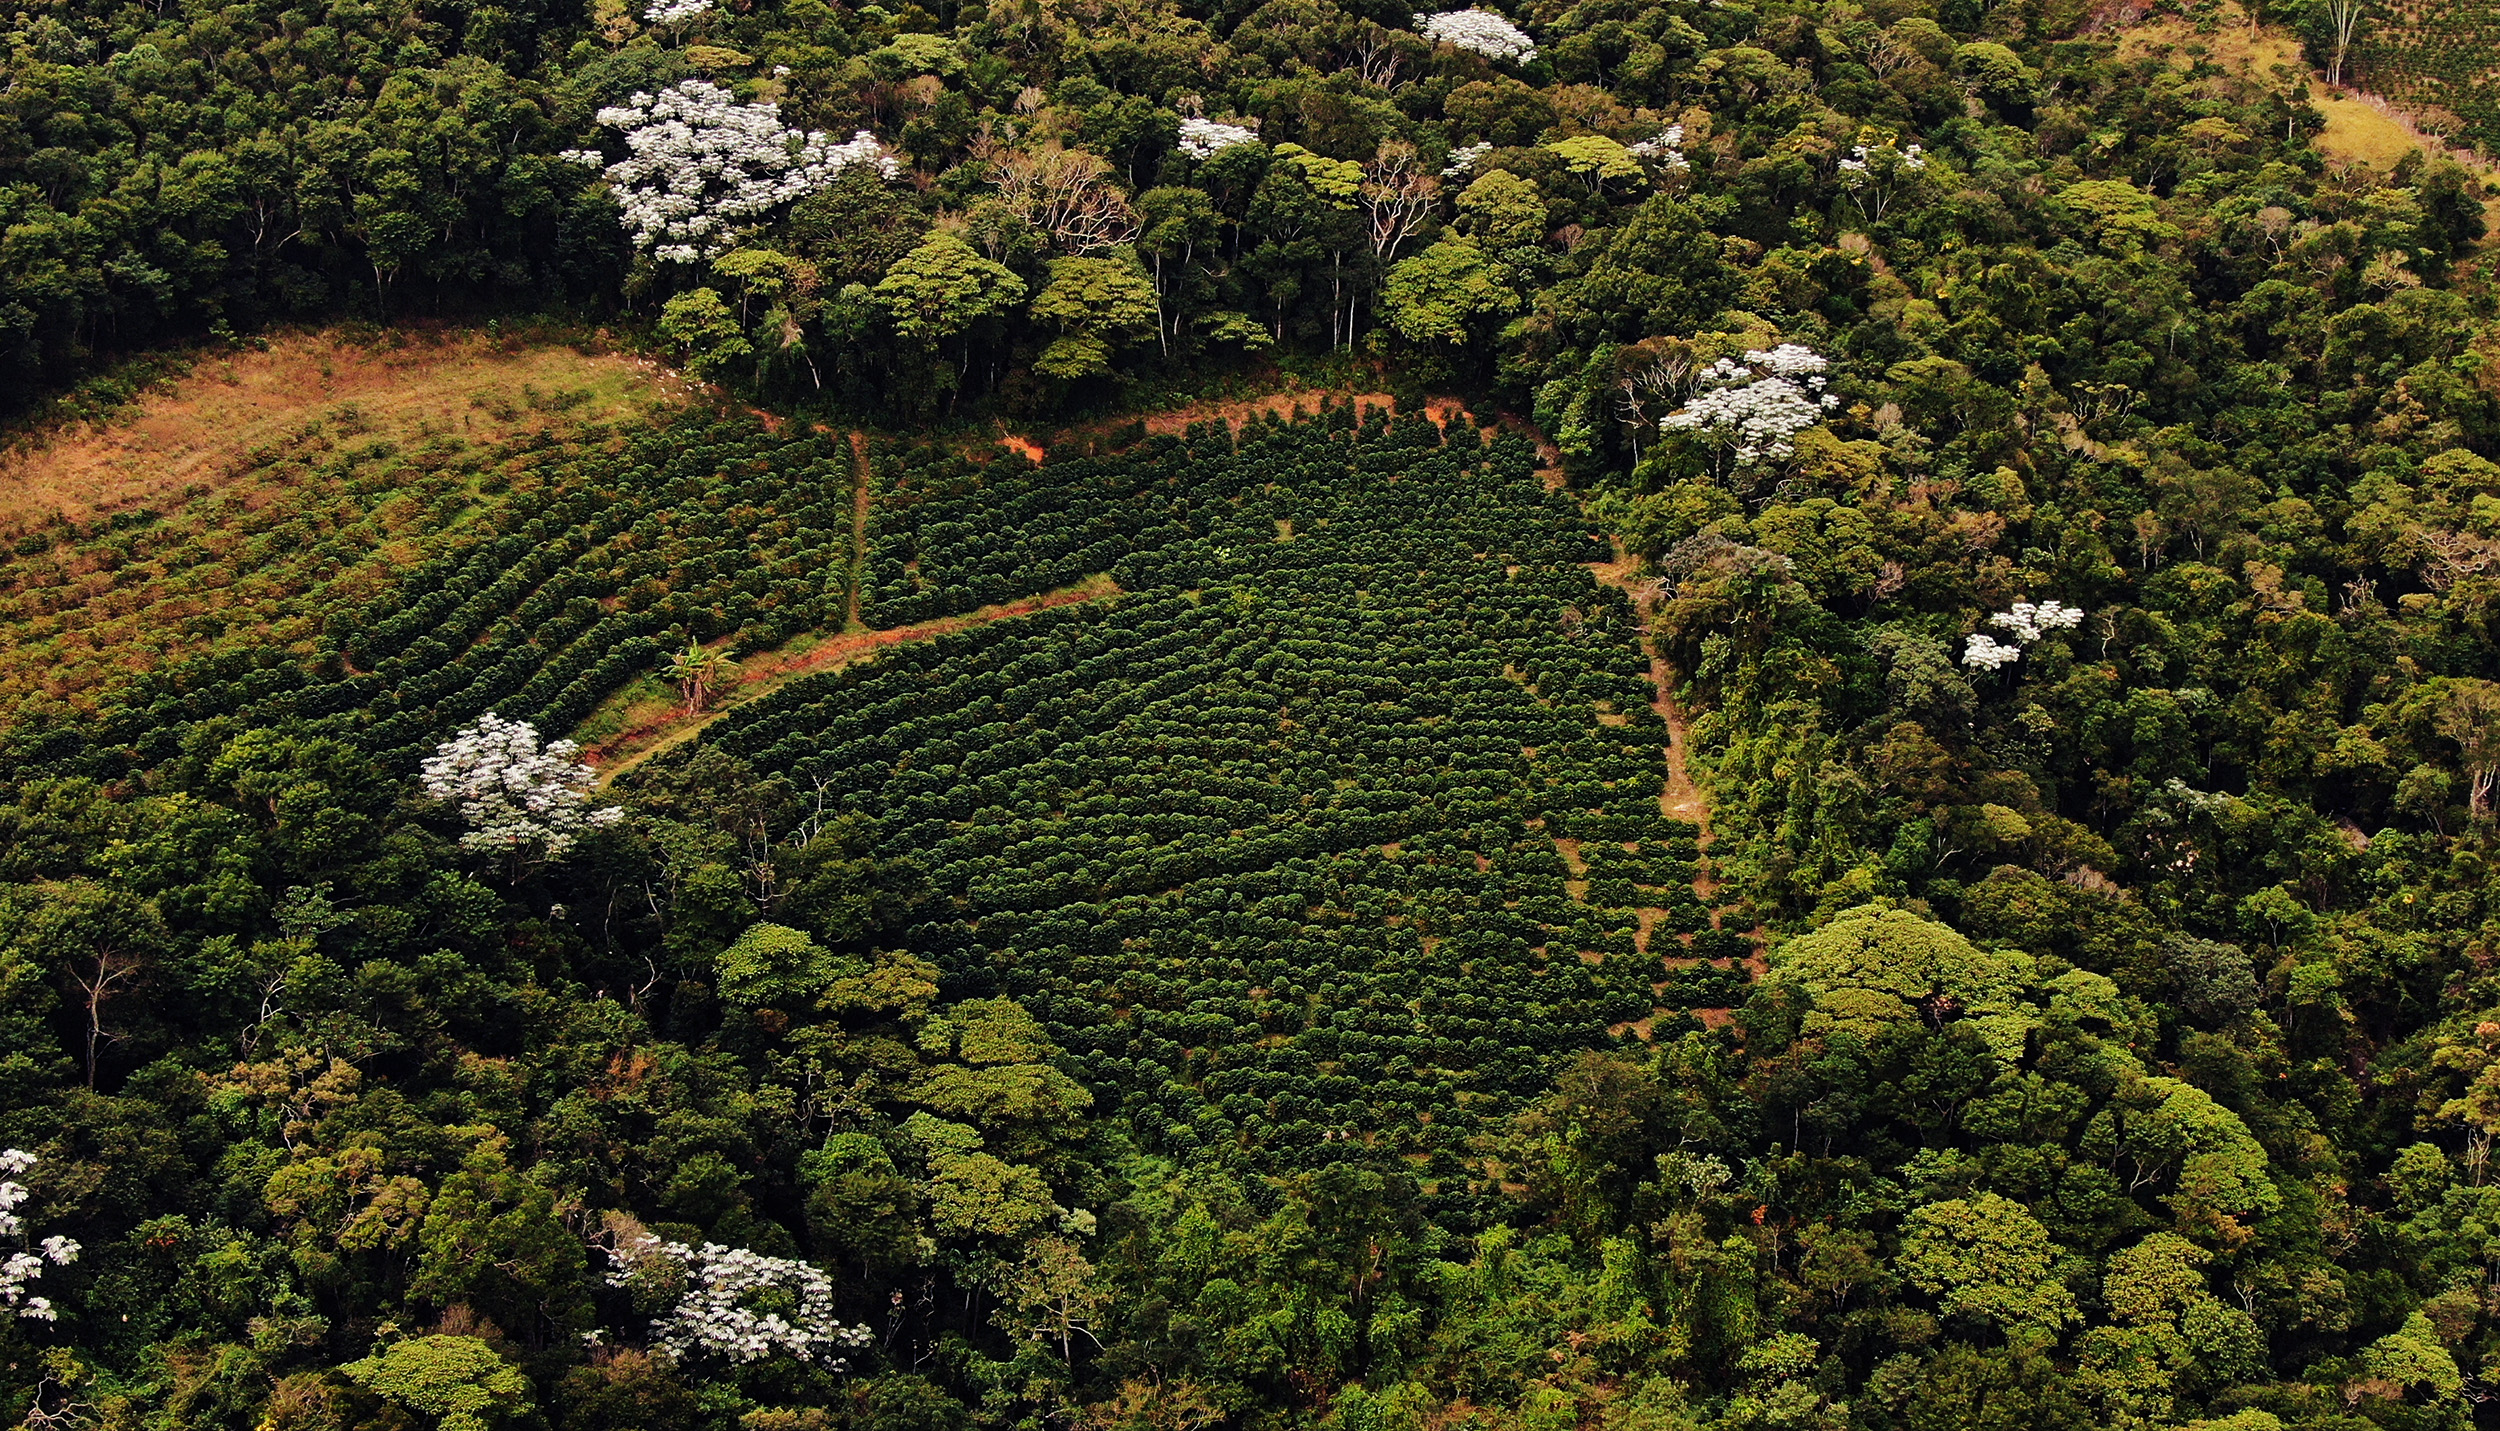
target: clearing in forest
2359 129
204 429
266 497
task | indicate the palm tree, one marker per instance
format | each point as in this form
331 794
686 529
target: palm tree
697 671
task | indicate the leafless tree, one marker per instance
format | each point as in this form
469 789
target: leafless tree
1377 57
2345 16
1399 194
1066 193
1885 52
110 973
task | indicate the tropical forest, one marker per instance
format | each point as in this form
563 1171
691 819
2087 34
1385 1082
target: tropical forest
1249 715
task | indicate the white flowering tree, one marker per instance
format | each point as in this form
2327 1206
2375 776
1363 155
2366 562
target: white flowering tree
1665 149
517 796
23 1267
699 167
2025 622
1879 170
1752 411
735 1304
1205 138
1479 32
675 12
1464 159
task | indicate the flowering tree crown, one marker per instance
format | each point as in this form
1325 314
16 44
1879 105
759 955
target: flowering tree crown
739 1305
1666 148
23 1267
513 793
1464 159
1756 408
700 165
1478 32
1865 159
1201 138
2024 621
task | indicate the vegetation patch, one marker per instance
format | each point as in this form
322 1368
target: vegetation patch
647 717
1270 844
223 420
604 550
251 511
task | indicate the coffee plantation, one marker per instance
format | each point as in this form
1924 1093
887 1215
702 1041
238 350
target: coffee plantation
1270 844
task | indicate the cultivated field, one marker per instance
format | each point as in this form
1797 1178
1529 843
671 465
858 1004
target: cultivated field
251 498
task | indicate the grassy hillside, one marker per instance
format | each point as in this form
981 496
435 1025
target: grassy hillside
2441 62
267 496
2351 130
599 548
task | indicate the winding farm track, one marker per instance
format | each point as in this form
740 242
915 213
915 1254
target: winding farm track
1679 797
859 528
761 675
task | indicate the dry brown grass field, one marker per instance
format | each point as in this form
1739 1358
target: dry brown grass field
2360 129
264 492
200 430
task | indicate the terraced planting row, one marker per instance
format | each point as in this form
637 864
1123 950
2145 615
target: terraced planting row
2437 62
605 550
1275 842
948 534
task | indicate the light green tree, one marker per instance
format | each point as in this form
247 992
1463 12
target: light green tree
1099 305
972 1193
1872 967
1987 1259
1596 159
1504 211
771 964
1996 72
700 324
2168 1326
2412 1357
459 1381
940 289
2251 1420
2161 1129
2120 214
1441 295
1338 180
1054 1293
1005 1084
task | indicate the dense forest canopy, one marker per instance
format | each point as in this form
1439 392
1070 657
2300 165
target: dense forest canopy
1869 803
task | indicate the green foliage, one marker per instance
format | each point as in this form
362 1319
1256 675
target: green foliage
1445 294
943 287
1986 1260
458 1381
1098 304
1269 995
772 964
699 323
1504 211
1874 967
